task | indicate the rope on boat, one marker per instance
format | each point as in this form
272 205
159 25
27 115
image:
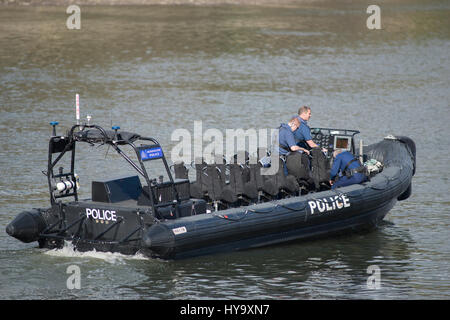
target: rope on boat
224 216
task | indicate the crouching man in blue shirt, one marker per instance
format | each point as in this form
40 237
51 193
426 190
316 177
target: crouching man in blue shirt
350 167
287 139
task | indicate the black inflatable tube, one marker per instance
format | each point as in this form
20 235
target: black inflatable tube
27 226
412 147
288 219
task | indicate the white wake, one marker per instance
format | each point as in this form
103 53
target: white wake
68 250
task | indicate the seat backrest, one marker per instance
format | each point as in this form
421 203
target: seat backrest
237 178
221 167
320 167
229 193
216 184
297 165
181 172
199 166
279 177
255 176
272 183
242 157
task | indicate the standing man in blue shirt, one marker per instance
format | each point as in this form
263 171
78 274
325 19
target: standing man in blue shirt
350 167
303 133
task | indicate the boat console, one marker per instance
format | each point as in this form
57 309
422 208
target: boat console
332 139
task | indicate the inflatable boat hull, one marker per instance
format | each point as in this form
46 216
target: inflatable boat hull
349 209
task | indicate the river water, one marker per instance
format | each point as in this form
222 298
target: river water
158 68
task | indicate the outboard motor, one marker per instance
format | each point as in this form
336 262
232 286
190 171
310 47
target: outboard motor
27 226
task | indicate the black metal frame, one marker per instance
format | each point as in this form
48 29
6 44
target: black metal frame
64 144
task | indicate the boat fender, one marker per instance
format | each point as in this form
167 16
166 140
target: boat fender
412 147
27 226
405 195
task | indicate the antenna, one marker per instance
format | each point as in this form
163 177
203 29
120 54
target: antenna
54 124
77 106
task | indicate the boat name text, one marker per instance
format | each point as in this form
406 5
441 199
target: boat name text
329 204
101 214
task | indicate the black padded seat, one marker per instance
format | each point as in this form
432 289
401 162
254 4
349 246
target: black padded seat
215 183
255 182
181 172
202 183
235 188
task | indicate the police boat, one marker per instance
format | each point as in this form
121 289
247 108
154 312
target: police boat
230 206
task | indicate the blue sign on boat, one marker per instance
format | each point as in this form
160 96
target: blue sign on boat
151 153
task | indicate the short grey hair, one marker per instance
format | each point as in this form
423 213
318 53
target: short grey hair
294 120
303 109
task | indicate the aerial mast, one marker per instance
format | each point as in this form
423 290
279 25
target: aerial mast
77 107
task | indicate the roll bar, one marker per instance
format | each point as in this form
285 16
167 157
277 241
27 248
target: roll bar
94 134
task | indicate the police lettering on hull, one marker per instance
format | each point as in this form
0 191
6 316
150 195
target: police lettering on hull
101 214
329 204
